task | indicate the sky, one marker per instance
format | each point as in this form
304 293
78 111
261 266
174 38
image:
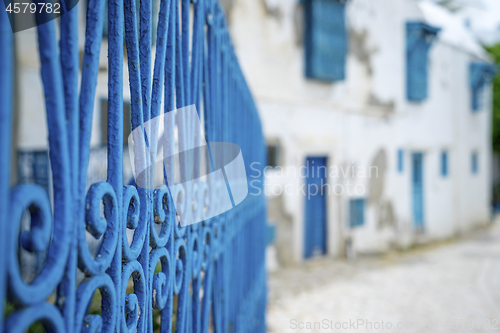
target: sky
484 18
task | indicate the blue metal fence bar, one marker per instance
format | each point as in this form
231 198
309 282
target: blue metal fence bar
6 96
207 276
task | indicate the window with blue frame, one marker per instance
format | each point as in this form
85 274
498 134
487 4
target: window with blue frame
33 167
356 212
444 163
479 75
419 38
325 42
400 160
474 163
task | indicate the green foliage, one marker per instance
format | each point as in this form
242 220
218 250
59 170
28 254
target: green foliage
451 5
495 134
35 328
94 308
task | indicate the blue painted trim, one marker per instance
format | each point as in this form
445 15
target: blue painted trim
400 160
474 163
444 163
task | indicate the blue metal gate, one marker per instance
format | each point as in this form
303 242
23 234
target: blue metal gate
315 207
417 189
204 277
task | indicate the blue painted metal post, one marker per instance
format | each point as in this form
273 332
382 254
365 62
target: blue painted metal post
6 78
198 278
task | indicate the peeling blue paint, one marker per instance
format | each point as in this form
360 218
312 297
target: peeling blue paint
221 258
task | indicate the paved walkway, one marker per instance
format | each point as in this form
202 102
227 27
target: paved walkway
451 287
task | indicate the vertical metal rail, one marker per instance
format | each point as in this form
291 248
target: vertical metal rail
205 277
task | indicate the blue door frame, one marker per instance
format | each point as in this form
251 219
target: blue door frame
417 173
315 207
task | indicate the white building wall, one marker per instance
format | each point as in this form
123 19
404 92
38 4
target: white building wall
350 121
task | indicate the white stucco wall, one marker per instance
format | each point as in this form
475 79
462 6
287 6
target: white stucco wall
350 121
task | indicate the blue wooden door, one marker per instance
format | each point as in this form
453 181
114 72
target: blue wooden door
418 189
315 207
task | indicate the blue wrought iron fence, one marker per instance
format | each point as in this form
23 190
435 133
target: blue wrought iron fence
148 273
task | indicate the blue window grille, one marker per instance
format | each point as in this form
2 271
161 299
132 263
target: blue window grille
474 163
325 42
400 160
208 276
479 75
444 163
419 38
356 212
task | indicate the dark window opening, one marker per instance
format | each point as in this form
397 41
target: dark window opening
273 156
127 125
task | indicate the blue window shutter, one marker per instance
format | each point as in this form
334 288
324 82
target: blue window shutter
444 163
356 212
325 40
400 160
419 37
474 163
271 233
479 75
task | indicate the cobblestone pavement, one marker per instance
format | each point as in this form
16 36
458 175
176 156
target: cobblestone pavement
449 287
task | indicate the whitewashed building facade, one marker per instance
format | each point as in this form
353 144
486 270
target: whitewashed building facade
421 166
